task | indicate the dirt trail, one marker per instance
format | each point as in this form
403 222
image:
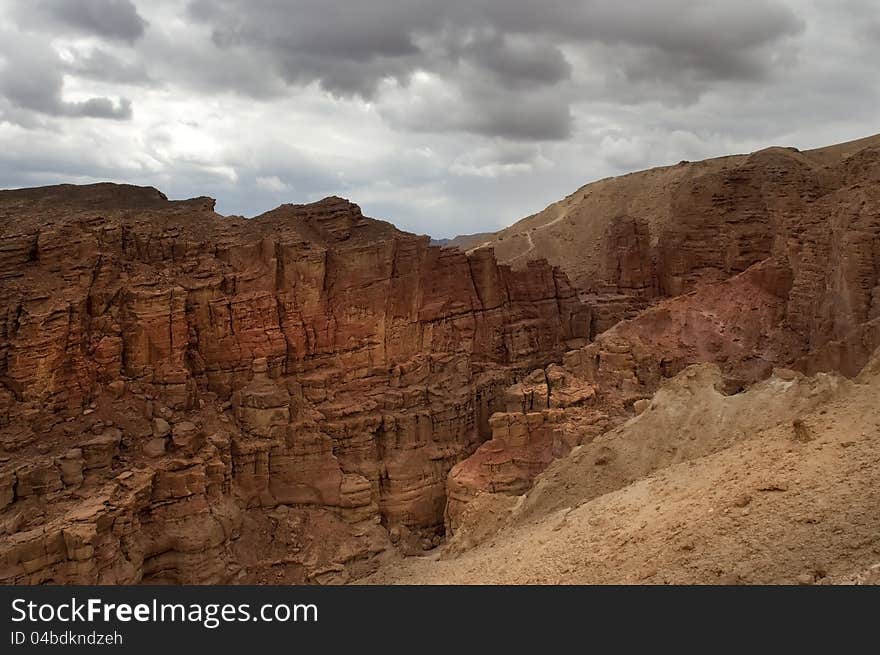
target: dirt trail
563 214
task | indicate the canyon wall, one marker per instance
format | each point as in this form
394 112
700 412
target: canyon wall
627 241
765 261
186 397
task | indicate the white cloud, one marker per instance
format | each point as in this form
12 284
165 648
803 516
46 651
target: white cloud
272 183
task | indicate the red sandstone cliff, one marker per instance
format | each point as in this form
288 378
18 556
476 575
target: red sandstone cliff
191 398
658 233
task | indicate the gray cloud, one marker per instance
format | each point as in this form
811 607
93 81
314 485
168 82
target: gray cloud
326 40
872 31
481 109
444 117
32 80
504 68
113 19
495 52
517 61
99 108
100 64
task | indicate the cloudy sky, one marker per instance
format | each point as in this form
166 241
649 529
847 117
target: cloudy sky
443 117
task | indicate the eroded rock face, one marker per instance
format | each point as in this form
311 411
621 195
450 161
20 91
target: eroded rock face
737 324
191 398
665 231
762 502
546 415
771 260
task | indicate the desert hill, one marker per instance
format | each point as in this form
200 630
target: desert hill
686 392
652 214
775 485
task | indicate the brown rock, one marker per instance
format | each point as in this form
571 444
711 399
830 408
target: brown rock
641 405
742 500
154 447
37 479
187 436
71 466
117 388
100 451
7 488
802 431
161 427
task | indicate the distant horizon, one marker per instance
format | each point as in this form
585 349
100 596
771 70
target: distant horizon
391 219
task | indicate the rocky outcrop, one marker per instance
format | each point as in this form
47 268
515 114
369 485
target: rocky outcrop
547 414
186 397
776 484
771 260
737 325
665 231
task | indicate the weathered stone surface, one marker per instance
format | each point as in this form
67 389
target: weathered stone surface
7 488
117 387
208 371
71 466
187 436
186 397
154 447
161 427
521 447
100 451
771 259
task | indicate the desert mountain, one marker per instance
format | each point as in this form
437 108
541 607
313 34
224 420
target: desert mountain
657 233
310 394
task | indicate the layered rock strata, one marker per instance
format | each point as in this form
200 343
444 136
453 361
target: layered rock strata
663 232
186 397
772 260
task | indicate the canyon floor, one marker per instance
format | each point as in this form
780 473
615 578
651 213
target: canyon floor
793 502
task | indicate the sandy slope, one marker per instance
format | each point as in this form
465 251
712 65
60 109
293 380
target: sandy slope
780 484
570 233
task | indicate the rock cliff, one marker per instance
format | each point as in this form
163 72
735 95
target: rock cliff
662 232
187 397
297 397
761 261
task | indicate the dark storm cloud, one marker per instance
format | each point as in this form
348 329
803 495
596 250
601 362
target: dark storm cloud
311 37
351 48
503 66
112 19
516 62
